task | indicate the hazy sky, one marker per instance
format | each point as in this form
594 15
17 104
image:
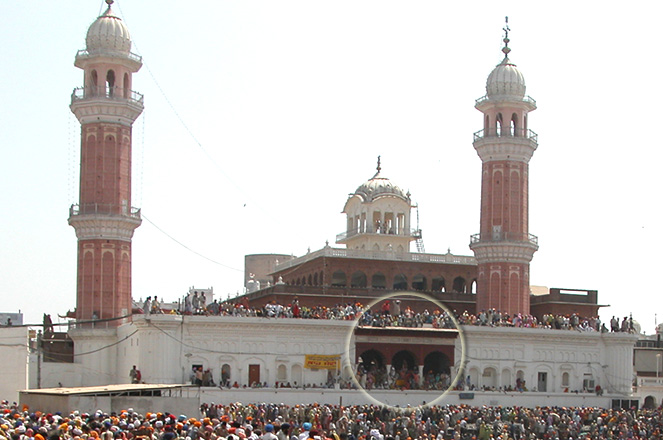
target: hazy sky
261 116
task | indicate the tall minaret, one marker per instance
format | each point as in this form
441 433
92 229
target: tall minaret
504 247
104 219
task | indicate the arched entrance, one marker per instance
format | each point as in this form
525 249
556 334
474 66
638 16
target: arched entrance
405 368
649 402
371 358
371 369
436 371
436 362
404 359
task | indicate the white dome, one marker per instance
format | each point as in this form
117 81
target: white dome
108 34
378 186
505 81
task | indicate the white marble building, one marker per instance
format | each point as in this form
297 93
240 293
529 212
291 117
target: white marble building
553 363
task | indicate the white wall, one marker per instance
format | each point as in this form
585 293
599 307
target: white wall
14 354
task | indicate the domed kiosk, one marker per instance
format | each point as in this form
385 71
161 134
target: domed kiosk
378 216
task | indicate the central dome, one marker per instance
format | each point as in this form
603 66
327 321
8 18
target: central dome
108 34
378 186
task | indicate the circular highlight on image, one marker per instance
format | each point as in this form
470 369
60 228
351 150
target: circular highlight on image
398 378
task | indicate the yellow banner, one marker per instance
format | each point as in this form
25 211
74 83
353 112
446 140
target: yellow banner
322 361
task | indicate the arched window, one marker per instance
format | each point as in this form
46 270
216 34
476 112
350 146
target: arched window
282 373
126 86
506 378
94 89
565 379
315 279
296 376
459 285
400 282
489 378
358 279
225 375
473 289
419 282
514 125
498 124
378 281
310 280
438 284
339 279
110 83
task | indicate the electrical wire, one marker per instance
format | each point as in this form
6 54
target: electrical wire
187 247
107 346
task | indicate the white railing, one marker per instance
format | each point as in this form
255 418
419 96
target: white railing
104 209
484 98
132 56
379 255
415 233
506 237
102 92
518 133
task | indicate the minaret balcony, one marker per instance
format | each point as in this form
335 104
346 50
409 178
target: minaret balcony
132 61
106 104
486 102
512 247
514 237
83 53
104 93
108 221
510 145
342 237
104 209
511 134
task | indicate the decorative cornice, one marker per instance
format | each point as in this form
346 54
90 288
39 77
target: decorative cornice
498 252
101 226
102 109
500 148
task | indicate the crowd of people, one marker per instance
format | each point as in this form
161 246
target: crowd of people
263 421
377 377
392 314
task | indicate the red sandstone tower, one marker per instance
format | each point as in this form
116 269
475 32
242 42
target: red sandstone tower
104 219
504 247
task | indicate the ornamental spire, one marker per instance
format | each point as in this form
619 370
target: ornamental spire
506 49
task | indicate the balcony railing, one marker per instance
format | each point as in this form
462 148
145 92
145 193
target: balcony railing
415 233
132 56
102 92
484 98
513 237
510 133
364 254
103 209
